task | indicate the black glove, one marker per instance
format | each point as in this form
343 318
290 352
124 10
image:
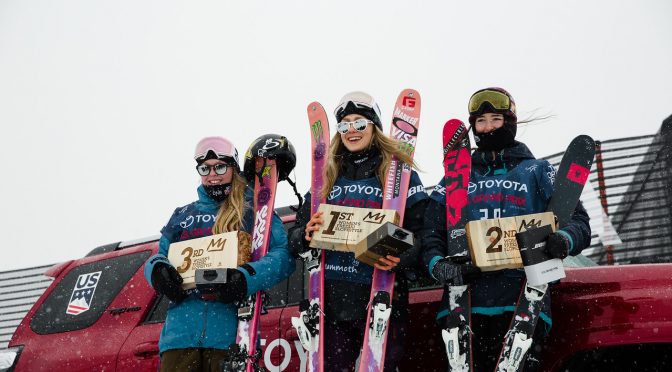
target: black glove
557 245
448 272
235 288
298 245
168 282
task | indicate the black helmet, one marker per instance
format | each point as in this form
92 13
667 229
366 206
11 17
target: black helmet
270 146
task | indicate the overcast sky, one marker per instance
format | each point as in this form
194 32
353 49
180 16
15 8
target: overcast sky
102 102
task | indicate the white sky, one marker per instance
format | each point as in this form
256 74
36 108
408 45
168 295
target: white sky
102 102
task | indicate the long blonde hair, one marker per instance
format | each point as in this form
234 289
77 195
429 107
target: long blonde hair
388 148
230 214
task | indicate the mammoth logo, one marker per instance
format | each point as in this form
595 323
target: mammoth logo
524 225
374 218
335 192
216 245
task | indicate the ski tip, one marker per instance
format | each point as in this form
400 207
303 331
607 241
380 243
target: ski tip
314 106
584 141
409 102
410 92
454 133
453 122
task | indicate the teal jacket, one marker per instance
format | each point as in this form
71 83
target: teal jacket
211 324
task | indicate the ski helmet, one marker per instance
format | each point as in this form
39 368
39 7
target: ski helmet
359 103
216 148
270 146
492 99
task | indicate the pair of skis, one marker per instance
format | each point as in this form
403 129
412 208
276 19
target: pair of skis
570 179
244 355
310 323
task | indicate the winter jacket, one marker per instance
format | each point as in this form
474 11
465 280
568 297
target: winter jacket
211 324
348 281
504 184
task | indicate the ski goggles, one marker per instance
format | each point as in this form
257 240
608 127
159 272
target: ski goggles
498 100
360 100
359 125
219 146
205 169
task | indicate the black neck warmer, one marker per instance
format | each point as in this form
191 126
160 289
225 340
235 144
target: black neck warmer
218 193
498 139
360 165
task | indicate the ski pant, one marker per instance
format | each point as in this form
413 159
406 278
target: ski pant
192 360
488 339
343 344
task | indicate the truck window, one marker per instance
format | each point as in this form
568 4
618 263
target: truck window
84 293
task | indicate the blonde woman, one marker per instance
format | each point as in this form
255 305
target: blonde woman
200 327
359 157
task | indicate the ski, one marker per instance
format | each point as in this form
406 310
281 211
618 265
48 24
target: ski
310 321
404 128
457 296
244 356
569 181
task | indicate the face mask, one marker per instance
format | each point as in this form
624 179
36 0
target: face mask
497 139
218 193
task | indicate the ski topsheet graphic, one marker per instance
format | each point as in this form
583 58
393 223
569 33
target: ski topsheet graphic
310 323
405 123
456 332
244 356
569 182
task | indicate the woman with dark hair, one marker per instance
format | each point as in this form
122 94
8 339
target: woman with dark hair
505 181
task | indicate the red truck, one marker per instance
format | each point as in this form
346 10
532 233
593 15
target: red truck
605 319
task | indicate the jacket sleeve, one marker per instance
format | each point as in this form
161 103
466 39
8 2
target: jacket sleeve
275 266
577 230
296 240
162 257
413 221
434 234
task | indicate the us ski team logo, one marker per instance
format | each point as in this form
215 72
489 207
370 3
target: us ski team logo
82 294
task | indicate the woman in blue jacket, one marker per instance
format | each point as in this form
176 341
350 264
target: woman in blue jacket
506 180
199 329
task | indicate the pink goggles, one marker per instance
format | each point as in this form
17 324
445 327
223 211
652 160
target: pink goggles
220 146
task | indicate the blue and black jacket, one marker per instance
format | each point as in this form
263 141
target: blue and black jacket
195 322
502 184
348 281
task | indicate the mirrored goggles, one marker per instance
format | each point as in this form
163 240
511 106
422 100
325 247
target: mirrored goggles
359 125
205 169
498 100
